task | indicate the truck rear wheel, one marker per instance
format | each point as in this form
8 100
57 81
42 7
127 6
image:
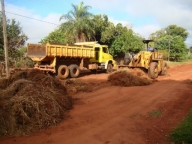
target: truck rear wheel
74 70
153 70
63 72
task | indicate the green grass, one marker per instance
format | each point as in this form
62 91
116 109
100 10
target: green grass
155 113
171 63
182 134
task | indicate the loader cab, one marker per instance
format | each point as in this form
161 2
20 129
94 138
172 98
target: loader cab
155 53
147 43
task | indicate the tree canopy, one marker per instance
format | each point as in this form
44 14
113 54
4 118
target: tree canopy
175 30
81 25
15 36
56 36
172 39
77 25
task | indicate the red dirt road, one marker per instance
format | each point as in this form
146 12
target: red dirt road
119 115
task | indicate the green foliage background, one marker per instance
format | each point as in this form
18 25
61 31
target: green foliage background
81 25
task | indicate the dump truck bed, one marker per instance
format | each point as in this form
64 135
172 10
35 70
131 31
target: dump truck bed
39 52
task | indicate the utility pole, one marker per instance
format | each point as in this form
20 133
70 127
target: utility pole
5 39
168 31
169 49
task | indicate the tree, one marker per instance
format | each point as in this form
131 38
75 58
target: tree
178 49
190 49
57 36
171 38
128 41
177 46
15 37
172 30
83 26
119 38
100 24
175 30
78 23
158 34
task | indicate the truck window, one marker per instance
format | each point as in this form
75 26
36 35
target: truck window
97 49
105 50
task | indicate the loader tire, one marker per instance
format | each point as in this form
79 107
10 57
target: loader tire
63 72
164 69
153 70
74 70
109 68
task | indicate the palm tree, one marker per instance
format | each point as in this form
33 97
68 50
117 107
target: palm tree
78 23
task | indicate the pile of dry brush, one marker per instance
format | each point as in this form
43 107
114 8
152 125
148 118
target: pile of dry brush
127 77
31 101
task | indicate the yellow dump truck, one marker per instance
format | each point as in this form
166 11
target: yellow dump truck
68 60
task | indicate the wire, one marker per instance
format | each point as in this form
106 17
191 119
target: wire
31 18
49 5
17 8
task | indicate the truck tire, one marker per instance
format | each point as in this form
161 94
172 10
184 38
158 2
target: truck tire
164 69
74 70
94 71
153 70
63 72
109 68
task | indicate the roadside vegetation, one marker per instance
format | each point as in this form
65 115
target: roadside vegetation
171 63
182 134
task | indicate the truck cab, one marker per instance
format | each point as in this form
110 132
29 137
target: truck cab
102 58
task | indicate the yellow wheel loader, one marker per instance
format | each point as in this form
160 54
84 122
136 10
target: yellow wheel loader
150 61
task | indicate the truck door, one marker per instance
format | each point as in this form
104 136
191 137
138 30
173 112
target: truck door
97 53
105 54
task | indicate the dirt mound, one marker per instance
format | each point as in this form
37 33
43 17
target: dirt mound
31 101
127 77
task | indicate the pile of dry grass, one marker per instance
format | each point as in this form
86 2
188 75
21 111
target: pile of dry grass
31 101
127 77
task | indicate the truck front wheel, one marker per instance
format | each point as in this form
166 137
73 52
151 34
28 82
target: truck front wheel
63 72
109 68
74 70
